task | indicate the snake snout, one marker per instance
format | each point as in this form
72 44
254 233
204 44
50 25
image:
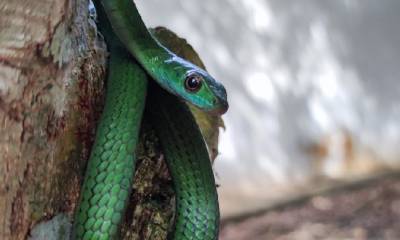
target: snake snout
220 101
224 108
221 107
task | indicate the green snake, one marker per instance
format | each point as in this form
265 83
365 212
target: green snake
142 71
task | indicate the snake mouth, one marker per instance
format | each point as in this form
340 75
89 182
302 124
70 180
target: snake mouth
220 101
218 108
224 108
221 108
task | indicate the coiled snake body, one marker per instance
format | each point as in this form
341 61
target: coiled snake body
111 166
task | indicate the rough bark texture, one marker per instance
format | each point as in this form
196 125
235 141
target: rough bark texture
51 85
52 67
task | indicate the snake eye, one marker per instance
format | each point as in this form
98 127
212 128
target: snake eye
193 82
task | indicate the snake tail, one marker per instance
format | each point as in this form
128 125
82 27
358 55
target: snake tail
111 166
197 210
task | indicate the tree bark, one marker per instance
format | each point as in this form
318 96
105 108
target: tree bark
52 68
51 71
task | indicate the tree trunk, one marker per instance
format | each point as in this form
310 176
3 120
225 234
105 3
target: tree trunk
51 71
52 67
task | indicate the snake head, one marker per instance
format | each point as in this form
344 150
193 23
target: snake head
195 86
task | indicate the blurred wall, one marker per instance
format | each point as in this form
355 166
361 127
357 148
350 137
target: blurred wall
313 89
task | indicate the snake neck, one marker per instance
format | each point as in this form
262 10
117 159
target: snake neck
122 17
133 34
130 28
167 69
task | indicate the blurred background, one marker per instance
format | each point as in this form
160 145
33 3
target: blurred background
314 106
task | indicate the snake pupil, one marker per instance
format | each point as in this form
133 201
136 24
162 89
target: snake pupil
193 83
